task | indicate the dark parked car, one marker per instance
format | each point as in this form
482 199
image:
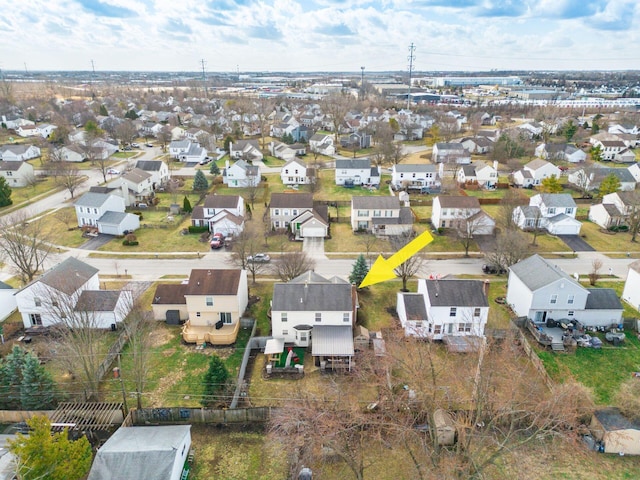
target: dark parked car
493 269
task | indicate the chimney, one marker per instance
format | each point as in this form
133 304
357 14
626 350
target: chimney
485 288
495 165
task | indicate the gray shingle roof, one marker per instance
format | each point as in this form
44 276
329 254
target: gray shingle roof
414 306
353 163
558 200
381 202
456 293
308 296
221 201
603 299
149 165
92 199
417 167
97 301
137 175
536 272
113 218
291 200
69 275
458 201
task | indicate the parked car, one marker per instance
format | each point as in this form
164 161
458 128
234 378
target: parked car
113 171
217 241
205 161
493 269
149 144
259 258
135 145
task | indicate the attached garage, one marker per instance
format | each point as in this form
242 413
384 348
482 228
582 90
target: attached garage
563 225
116 223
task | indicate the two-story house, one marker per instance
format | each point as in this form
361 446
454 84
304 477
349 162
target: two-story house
444 308
631 291
357 171
158 170
539 290
7 301
384 216
322 144
296 172
178 147
589 179
221 213
560 151
480 173
248 150
450 153
18 152
614 210
609 149
313 310
534 172
554 212
106 212
414 176
17 174
214 300
296 213
450 211
240 174
134 186
65 281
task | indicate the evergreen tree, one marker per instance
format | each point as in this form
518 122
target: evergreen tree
5 193
186 205
359 271
131 115
215 380
53 456
228 140
200 182
214 169
36 389
103 110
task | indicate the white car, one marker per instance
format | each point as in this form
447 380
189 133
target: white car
259 258
113 171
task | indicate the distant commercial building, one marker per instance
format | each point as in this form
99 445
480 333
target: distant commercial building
472 81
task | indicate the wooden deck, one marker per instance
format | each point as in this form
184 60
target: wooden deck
200 334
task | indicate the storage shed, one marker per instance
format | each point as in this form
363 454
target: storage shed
618 434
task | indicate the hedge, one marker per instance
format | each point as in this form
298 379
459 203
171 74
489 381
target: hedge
195 229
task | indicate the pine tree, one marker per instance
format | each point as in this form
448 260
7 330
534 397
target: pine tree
359 271
228 140
215 380
131 114
200 182
5 193
103 110
36 389
214 169
53 456
186 205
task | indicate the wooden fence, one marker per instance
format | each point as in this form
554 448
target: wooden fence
178 415
533 357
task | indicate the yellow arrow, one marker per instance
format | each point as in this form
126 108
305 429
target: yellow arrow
383 268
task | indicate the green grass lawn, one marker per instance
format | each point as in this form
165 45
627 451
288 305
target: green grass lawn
28 193
607 241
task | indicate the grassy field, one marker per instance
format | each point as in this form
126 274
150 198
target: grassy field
607 241
26 194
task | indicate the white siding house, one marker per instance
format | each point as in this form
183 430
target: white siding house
631 292
414 176
357 171
383 216
450 211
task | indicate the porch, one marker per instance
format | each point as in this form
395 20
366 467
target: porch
211 334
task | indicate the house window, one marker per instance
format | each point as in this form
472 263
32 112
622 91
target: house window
437 329
294 211
95 210
414 175
209 301
285 332
226 317
197 314
464 327
346 317
37 301
376 213
276 211
453 311
554 298
283 317
551 210
318 317
35 319
286 172
570 299
402 175
570 313
80 210
363 213
476 312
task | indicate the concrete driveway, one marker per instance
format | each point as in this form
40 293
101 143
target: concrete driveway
486 243
93 243
314 247
576 243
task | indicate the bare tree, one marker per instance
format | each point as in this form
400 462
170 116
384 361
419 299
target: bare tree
467 225
368 242
448 127
511 247
633 216
246 244
413 264
509 202
139 325
69 177
67 217
398 153
126 132
25 244
336 106
594 274
536 228
253 188
264 107
165 137
293 264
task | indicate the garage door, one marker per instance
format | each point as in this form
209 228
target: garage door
565 229
108 229
312 232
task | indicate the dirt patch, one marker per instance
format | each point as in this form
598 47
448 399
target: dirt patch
160 337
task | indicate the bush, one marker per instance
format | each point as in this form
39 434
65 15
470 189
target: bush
128 243
440 230
194 229
139 214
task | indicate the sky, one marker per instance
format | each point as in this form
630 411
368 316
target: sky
319 35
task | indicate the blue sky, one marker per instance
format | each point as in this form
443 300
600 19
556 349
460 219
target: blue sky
319 35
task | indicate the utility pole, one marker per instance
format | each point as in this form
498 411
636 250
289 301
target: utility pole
204 79
362 84
411 58
117 373
91 78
